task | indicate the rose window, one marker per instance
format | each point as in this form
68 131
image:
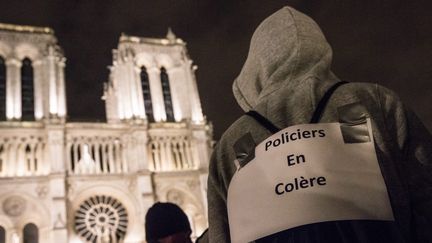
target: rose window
101 219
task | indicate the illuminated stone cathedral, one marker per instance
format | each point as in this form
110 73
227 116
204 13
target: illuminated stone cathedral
76 182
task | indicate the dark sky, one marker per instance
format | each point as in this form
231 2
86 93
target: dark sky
387 42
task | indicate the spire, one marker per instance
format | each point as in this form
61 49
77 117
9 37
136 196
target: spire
171 36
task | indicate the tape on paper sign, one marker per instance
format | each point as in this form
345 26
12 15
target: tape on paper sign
307 174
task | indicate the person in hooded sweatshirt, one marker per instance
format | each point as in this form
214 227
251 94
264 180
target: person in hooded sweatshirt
285 76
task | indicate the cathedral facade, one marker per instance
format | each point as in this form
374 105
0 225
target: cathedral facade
76 182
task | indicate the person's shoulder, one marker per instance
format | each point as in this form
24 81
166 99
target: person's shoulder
236 129
361 88
378 100
371 88
372 93
243 125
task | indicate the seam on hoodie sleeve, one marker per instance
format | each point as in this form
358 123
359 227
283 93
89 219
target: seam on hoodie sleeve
298 43
382 111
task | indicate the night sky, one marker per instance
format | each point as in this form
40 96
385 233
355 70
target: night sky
386 42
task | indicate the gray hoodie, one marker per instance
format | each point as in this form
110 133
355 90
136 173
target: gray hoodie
285 75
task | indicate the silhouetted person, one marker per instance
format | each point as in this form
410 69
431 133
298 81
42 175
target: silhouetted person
167 223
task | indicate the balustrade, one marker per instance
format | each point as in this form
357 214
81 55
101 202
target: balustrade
95 155
23 155
88 150
170 153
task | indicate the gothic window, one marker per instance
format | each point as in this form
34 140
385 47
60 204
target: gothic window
28 157
2 234
27 96
145 87
78 148
72 156
167 95
101 158
107 161
101 218
30 233
2 89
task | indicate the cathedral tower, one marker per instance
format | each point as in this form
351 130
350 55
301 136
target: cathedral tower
153 80
152 87
32 84
32 117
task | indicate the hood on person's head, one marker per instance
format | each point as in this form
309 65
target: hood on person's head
285 49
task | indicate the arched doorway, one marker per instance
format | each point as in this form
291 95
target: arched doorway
30 233
2 234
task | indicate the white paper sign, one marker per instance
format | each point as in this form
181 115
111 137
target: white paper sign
306 174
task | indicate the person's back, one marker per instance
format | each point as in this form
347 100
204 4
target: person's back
286 74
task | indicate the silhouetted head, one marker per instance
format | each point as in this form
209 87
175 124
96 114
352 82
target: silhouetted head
167 223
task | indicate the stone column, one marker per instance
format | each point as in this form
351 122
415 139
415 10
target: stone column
203 189
13 89
128 151
55 142
124 90
58 210
140 138
176 90
133 92
14 236
11 159
163 157
197 115
139 93
201 148
61 93
156 94
113 105
168 153
53 105
38 88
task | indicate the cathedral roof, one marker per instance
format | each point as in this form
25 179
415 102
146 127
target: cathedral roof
26 28
171 39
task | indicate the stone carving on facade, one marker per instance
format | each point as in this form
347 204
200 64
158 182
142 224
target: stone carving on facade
132 183
170 153
42 191
59 223
175 196
37 40
192 184
15 237
29 146
56 137
101 217
14 206
71 187
104 152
